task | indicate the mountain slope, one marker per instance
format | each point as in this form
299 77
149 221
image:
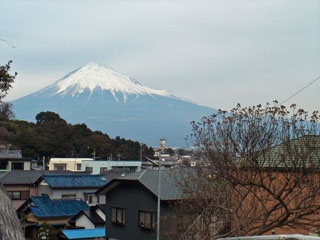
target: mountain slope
116 104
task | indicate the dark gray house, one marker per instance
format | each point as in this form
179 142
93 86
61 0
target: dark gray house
131 211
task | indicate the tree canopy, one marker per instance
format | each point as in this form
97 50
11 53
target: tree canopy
52 136
6 79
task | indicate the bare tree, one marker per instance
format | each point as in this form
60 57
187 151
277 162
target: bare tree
259 171
6 111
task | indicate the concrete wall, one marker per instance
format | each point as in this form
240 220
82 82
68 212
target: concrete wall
71 163
96 165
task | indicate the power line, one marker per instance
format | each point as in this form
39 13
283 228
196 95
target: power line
308 85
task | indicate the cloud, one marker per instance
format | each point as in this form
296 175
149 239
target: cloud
213 52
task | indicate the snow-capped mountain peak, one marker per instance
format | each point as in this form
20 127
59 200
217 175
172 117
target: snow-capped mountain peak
99 76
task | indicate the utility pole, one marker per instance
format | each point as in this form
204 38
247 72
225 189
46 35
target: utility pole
140 152
43 163
94 154
162 146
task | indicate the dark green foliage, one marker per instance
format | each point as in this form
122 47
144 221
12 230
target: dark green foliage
52 136
48 232
6 79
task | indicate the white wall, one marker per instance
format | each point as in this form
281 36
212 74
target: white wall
96 165
83 221
57 193
102 199
71 163
26 164
101 214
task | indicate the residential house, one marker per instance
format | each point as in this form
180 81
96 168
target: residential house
132 203
73 186
83 234
67 164
13 160
42 209
92 218
20 185
102 166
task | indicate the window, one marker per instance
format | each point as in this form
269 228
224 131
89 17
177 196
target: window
118 215
91 198
147 220
103 169
18 195
89 169
68 196
78 166
17 166
60 167
3 164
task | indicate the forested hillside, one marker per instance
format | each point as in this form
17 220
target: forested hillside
52 136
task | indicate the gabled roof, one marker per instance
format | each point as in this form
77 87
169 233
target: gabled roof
44 207
74 181
91 215
102 207
170 187
84 233
15 177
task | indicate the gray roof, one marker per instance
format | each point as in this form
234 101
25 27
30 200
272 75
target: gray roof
294 154
20 177
170 187
2 174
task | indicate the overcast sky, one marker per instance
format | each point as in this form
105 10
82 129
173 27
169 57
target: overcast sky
214 52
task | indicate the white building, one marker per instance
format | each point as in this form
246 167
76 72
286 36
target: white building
13 160
101 166
67 164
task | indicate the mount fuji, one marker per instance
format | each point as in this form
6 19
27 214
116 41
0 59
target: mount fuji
115 104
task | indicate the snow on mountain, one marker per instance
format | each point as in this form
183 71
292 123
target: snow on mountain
115 104
95 76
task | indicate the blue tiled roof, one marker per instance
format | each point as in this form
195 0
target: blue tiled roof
75 180
84 233
43 206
